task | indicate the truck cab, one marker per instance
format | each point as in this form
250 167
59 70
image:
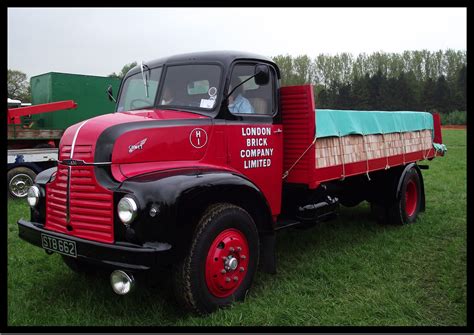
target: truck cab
185 175
226 110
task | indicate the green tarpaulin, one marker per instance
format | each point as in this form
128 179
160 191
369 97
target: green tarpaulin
333 122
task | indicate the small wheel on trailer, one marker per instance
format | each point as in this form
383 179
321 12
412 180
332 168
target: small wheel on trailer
19 180
79 266
222 260
407 204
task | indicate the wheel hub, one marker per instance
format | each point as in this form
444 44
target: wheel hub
231 263
411 198
226 262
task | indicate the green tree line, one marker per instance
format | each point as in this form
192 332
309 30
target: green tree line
412 80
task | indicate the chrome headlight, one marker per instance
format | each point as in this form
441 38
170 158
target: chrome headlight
33 195
122 282
127 210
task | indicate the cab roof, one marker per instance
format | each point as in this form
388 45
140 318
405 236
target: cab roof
226 57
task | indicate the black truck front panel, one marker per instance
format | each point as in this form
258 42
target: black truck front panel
114 256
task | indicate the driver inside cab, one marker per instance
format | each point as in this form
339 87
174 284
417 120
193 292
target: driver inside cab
237 102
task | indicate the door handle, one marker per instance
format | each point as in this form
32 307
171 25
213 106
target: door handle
278 131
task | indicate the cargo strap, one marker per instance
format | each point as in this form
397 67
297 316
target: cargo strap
427 152
387 165
341 147
366 157
403 141
423 150
287 172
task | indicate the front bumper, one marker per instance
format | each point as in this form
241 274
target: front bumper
117 256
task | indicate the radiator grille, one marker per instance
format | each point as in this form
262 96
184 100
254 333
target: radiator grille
90 205
81 152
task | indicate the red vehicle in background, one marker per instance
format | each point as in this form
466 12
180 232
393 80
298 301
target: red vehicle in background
25 159
204 160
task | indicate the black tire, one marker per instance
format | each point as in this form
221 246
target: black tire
401 212
189 276
405 208
19 179
80 267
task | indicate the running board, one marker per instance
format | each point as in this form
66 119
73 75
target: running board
286 223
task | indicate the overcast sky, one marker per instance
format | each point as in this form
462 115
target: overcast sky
99 41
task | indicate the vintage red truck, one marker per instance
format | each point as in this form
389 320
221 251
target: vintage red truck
205 158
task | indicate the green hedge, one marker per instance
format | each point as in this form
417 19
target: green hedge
455 117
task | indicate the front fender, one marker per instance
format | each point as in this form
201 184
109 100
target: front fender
45 176
180 197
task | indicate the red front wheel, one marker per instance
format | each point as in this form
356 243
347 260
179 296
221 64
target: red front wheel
222 260
227 263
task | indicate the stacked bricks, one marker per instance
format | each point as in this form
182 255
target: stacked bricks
356 148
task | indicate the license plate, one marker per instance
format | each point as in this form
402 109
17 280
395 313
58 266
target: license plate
59 245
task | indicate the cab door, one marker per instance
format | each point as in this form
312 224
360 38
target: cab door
255 138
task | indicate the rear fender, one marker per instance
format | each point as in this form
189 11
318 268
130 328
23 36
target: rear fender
385 186
422 184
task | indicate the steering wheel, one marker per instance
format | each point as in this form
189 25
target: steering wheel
132 103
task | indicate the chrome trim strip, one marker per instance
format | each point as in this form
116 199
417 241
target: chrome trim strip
83 163
68 189
75 137
68 192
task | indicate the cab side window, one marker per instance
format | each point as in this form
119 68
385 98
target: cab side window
249 98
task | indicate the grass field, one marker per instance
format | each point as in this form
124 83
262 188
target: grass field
350 271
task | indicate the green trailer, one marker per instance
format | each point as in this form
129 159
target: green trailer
89 92
33 138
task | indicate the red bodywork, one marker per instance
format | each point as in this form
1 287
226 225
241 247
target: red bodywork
437 129
208 145
299 121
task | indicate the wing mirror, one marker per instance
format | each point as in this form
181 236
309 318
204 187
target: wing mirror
262 74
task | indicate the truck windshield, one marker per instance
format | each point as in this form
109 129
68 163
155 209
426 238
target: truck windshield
190 86
134 92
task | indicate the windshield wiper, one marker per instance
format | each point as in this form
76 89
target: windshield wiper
142 66
170 109
144 107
